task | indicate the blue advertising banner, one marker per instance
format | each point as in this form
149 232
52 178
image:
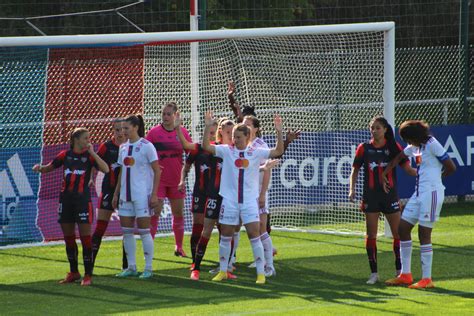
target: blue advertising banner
18 193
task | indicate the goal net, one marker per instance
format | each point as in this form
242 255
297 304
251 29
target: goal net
327 81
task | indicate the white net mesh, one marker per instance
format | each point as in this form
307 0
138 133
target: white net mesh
328 86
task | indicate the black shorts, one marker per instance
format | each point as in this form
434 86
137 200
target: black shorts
105 201
75 209
198 204
385 203
213 207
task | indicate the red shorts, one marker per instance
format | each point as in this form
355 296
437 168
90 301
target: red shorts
170 192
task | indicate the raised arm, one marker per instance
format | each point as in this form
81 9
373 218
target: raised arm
233 104
177 126
206 143
279 148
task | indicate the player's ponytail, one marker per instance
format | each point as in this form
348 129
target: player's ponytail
137 120
76 134
389 136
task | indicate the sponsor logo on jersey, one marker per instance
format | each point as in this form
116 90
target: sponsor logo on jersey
129 161
241 163
76 172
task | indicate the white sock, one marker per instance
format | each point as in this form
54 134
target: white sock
147 243
130 246
426 260
267 249
258 254
224 252
236 244
405 255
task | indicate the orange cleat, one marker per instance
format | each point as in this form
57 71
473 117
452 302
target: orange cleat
402 279
195 275
71 277
423 284
231 276
87 280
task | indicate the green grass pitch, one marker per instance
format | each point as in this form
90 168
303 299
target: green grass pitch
317 274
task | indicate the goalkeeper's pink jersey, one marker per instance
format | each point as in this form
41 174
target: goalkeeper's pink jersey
170 153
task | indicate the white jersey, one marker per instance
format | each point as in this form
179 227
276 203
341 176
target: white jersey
428 158
240 171
137 174
260 143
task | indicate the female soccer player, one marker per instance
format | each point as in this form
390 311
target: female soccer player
211 200
170 153
108 151
239 190
424 206
75 204
202 164
374 155
139 180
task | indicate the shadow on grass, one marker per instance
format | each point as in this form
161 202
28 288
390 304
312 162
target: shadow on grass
334 279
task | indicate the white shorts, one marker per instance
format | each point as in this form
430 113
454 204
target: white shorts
232 212
137 208
424 208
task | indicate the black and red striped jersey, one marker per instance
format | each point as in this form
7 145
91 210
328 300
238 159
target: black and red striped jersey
77 170
214 183
374 160
202 164
109 151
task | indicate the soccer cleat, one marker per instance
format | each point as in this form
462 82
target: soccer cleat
231 276
191 268
374 278
179 252
71 277
147 274
195 275
222 275
253 265
231 268
270 271
127 273
260 279
87 280
423 284
215 270
402 279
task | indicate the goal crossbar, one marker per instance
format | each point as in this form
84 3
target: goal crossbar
191 36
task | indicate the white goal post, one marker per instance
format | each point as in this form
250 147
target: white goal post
327 80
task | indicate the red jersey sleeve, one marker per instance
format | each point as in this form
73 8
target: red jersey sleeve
359 156
59 160
102 150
